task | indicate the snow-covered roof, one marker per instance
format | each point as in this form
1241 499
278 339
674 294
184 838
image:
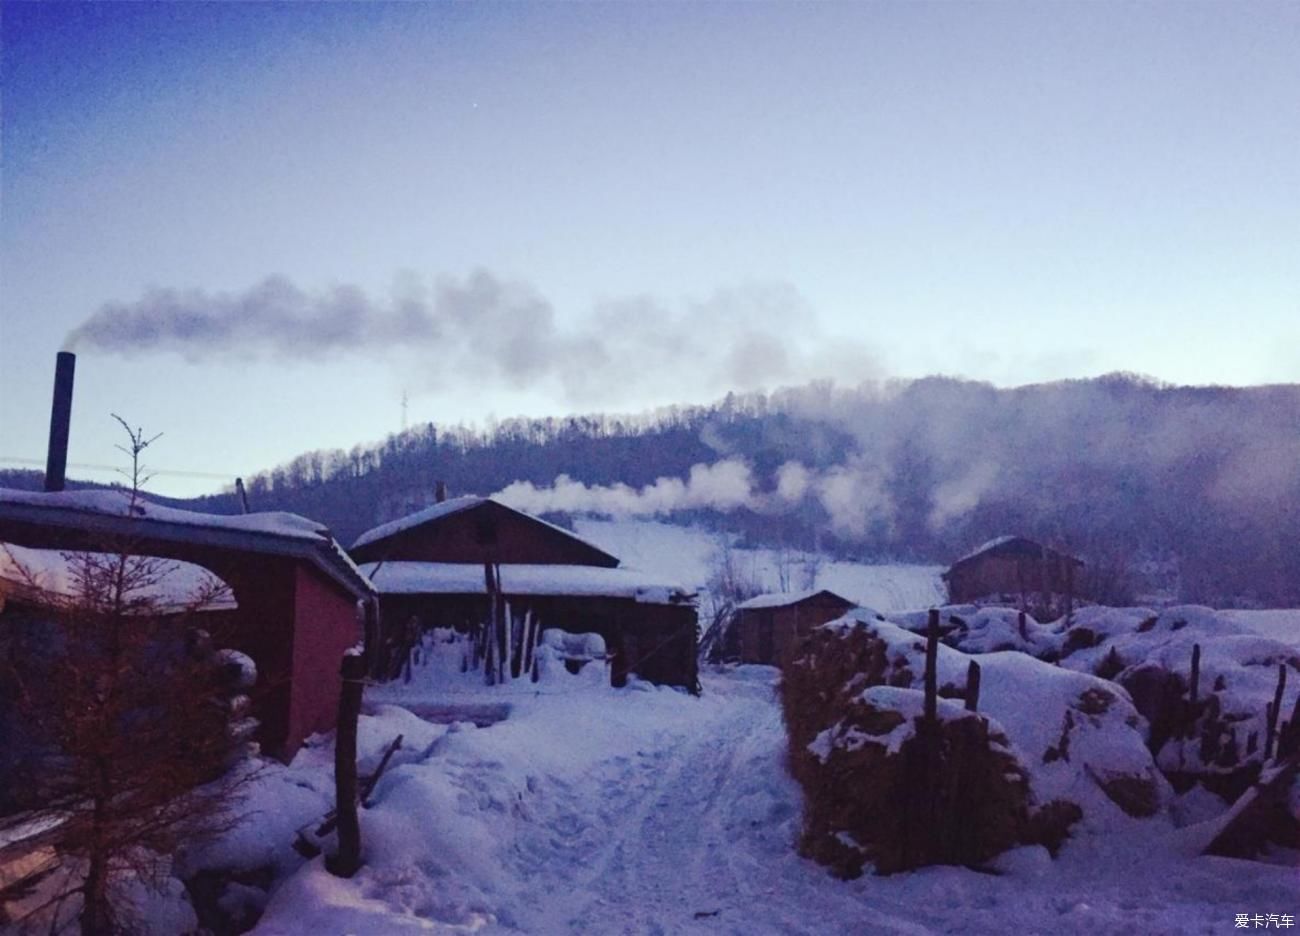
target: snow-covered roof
464 578
985 547
114 513
116 502
786 599
1012 544
173 586
454 506
410 521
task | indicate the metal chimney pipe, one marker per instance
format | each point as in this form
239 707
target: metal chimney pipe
56 462
439 491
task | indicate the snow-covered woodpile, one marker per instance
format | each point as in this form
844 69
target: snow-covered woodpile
1216 695
1046 746
1220 702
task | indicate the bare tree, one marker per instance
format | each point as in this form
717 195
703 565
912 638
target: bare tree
128 721
731 583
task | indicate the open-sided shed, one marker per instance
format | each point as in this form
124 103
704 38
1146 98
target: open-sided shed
429 571
296 593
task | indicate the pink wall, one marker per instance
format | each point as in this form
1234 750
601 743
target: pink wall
324 626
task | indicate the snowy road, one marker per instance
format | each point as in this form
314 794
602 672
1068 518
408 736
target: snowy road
691 837
605 813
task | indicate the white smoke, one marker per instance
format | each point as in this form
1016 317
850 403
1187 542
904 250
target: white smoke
954 499
852 495
723 486
499 332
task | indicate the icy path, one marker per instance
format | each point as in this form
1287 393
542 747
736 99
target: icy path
604 813
692 836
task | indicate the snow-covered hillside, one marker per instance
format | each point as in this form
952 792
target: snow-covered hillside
690 556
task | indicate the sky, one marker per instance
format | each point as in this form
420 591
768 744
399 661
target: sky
260 226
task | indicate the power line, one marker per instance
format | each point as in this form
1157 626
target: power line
89 466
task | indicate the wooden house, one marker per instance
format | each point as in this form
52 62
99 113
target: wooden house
1017 571
764 628
296 594
429 570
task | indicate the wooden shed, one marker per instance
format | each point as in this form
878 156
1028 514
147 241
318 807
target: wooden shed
1016 571
296 593
764 628
429 570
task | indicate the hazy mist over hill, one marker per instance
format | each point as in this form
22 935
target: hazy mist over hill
1199 483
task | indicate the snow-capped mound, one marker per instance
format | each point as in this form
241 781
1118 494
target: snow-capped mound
1079 736
1218 738
973 629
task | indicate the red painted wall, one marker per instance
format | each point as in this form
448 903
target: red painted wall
263 629
325 625
486 533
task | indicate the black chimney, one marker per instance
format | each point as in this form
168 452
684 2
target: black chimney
439 491
56 462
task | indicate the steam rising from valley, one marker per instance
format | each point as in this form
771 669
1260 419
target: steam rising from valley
851 497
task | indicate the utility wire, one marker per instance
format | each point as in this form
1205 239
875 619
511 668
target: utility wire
173 472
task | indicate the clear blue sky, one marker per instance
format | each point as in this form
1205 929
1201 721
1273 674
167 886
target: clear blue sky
759 193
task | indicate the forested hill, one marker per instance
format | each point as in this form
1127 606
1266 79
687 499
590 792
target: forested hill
1198 487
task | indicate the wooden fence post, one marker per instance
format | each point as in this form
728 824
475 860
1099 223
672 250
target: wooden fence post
932 668
1274 711
973 687
348 859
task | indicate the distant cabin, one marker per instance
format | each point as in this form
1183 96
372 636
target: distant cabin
764 628
1016 571
429 570
293 597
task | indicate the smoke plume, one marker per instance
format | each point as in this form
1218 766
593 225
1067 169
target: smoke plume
852 496
499 332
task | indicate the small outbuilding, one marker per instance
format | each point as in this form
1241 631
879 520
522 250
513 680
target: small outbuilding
764 628
1015 571
295 598
429 569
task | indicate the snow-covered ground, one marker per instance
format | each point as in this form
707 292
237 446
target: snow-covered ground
690 556
647 811
1278 624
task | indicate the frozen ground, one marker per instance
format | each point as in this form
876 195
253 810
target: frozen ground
645 811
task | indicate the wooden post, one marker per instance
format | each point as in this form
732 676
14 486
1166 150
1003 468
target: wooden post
530 640
928 734
1069 590
1188 712
932 668
489 626
348 859
1288 736
973 687
503 644
1274 710
1196 675
1023 624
